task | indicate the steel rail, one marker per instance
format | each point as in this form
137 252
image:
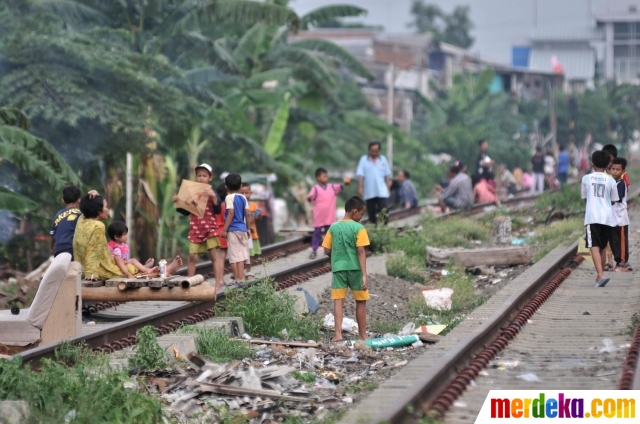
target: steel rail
436 379
123 333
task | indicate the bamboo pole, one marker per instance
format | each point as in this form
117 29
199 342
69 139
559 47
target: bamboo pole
203 292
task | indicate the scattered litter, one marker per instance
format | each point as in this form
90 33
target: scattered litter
445 272
401 364
394 341
519 241
508 365
460 404
529 377
586 313
431 329
348 324
246 336
438 299
608 346
529 321
602 374
496 281
407 329
312 303
483 373
347 399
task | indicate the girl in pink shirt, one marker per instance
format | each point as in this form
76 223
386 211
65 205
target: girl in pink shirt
323 196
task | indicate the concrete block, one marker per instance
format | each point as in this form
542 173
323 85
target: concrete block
234 325
14 411
184 343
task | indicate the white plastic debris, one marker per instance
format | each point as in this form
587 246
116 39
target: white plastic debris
608 346
246 336
459 404
407 329
529 377
284 333
348 324
438 299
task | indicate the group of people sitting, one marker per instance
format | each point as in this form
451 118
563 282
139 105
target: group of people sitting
459 191
78 229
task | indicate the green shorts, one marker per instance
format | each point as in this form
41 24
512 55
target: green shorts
197 248
255 250
343 280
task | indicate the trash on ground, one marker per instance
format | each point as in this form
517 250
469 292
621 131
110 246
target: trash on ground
439 299
431 329
393 341
529 377
507 365
348 324
608 346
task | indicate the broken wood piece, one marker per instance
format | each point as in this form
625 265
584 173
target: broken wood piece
492 256
89 283
281 342
239 391
429 338
198 360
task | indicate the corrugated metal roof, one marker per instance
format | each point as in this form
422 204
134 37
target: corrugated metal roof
423 40
577 63
567 33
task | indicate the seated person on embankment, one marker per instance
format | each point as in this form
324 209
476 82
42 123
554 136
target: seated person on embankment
459 193
90 243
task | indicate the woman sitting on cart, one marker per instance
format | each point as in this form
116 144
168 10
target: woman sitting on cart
90 243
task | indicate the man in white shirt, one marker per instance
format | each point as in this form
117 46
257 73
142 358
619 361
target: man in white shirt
599 192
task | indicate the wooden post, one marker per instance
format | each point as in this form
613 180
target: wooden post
501 231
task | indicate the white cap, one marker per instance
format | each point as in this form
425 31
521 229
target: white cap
205 166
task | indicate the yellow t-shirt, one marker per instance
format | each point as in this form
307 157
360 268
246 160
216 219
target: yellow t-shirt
253 207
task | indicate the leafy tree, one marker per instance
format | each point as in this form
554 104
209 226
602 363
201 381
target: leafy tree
454 28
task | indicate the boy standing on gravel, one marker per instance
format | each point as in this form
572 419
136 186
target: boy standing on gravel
599 192
620 234
344 244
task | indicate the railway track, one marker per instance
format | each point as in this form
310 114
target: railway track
122 334
554 331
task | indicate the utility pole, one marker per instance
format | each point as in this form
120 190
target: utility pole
390 101
553 123
129 195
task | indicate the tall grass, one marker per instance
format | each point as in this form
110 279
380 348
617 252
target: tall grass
267 312
76 383
558 233
215 344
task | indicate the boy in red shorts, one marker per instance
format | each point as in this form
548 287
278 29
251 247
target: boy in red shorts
344 243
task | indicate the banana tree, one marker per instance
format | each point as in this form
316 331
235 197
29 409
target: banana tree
32 155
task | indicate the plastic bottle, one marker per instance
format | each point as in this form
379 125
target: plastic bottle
163 268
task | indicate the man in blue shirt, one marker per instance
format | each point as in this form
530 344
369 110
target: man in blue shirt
563 165
374 181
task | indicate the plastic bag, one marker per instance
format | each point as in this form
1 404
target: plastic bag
438 299
407 329
347 323
608 346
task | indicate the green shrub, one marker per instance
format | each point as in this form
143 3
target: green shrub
148 354
568 199
266 312
215 344
91 393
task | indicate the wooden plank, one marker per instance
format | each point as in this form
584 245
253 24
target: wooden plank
239 391
280 342
492 256
156 283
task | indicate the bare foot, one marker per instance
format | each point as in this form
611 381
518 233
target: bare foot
149 263
173 266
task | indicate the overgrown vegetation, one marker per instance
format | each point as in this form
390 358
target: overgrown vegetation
305 377
547 238
149 354
463 301
215 344
433 231
76 386
568 200
267 312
